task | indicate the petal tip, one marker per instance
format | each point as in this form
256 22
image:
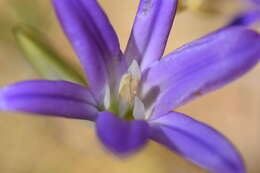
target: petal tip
2 99
119 136
197 142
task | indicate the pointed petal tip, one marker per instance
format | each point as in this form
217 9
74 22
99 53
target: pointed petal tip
119 136
150 31
197 142
50 98
224 56
2 102
246 18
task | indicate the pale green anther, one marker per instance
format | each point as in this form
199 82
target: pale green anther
129 83
44 59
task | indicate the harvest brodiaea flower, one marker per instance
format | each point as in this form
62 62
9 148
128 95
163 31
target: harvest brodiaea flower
257 2
249 17
131 95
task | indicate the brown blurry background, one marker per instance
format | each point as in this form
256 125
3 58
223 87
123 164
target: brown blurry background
36 144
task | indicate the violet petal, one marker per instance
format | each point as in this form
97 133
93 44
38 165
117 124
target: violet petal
52 98
257 2
150 31
247 18
202 66
197 142
93 39
121 136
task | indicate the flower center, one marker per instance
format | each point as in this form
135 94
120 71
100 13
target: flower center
127 104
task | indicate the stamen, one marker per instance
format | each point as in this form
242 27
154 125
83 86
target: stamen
129 83
128 90
123 106
125 89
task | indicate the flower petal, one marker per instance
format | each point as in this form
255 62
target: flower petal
247 18
93 39
53 98
257 2
202 66
197 142
150 31
121 136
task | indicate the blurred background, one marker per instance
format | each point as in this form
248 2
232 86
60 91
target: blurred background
35 144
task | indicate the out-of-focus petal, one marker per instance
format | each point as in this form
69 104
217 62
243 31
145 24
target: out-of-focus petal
53 98
44 59
93 39
121 136
257 2
202 66
197 142
150 31
247 18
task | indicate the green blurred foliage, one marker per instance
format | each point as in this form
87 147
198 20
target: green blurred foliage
32 12
45 60
34 16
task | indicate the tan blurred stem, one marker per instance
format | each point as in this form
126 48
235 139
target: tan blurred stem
201 6
44 59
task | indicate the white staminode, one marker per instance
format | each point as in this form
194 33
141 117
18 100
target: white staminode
107 98
148 113
139 109
134 70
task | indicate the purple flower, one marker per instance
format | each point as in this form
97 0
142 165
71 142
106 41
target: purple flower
247 18
131 95
257 2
